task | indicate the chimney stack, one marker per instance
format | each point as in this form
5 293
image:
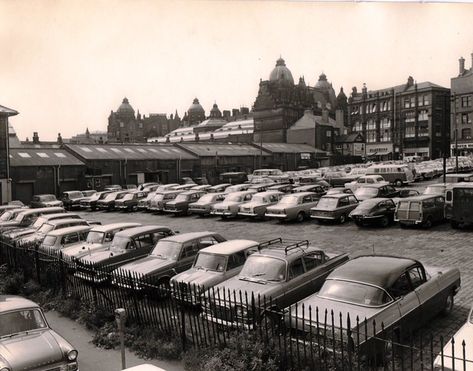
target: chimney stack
462 65
35 138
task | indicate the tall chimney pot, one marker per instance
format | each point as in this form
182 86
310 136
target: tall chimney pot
461 65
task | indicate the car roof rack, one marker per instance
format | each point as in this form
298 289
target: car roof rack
269 243
296 245
287 245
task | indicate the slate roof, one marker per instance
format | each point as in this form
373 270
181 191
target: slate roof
42 157
129 152
222 149
289 148
5 111
349 138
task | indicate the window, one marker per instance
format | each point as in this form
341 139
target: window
410 116
329 133
307 199
465 119
352 200
343 202
144 240
407 103
86 149
416 276
423 115
59 154
42 154
371 125
358 127
190 250
207 241
122 124
410 131
466 133
24 154
69 238
401 287
103 150
385 123
466 101
313 260
296 269
371 136
236 260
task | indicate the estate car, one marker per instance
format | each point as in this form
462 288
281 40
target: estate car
203 206
420 210
46 200
64 237
230 205
180 205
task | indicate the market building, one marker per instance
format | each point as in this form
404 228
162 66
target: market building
462 110
412 119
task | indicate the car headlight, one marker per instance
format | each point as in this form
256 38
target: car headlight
72 355
5 369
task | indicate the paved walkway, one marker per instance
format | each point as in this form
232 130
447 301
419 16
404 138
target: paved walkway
92 358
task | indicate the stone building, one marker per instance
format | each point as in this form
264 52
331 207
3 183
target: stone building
412 119
462 110
5 176
281 102
124 126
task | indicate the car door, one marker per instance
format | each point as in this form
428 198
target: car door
439 208
407 300
186 257
427 292
298 284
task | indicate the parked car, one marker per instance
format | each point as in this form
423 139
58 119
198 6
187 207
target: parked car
99 237
180 205
11 214
62 238
170 256
108 202
166 187
374 211
230 205
201 187
183 187
212 265
89 192
130 201
4 208
459 178
420 210
203 205
144 203
436 189
47 227
281 274
218 188
157 203
46 200
339 178
19 232
334 208
459 204
405 193
376 191
458 349
127 246
26 217
237 188
314 188
398 292
71 199
26 340
284 188
365 180
295 206
113 188
393 173
91 202
259 187
338 190
233 177
257 206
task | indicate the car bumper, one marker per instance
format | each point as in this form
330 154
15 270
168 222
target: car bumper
324 217
276 216
408 222
223 213
225 323
199 211
249 214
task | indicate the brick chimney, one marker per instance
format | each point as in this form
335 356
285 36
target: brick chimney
35 138
461 63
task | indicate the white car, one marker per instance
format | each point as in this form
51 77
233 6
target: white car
364 180
464 334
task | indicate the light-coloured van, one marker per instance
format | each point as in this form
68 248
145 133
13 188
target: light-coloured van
393 173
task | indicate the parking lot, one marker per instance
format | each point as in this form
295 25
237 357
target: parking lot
439 246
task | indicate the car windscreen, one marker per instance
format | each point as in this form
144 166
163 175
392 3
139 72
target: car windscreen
95 237
7 215
45 228
366 192
120 196
434 190
354 292
75 195
20 321
211 262
128 196
259 198
49 240
327 203
207 198
119 243
167 250
47 198
110 197
20 217
169 196
38 223
263 268
289 200
181 197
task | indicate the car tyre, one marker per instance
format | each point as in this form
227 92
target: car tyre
384 222
342 219
448 305
300 217
398 183
428 223
454 224
359 223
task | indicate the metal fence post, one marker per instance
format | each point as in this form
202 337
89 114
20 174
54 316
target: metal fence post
120 315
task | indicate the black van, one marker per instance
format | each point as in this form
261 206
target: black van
459 204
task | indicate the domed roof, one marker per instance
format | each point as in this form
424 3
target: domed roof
125 107
215 112
195 107
281 73
323 83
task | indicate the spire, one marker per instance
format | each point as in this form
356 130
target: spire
87 133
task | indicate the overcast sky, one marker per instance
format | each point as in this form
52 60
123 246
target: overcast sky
65 65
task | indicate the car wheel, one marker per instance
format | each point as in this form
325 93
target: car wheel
300 217
359 223
402 225
448 305
398 183
342 219
384 221
454 224
428 223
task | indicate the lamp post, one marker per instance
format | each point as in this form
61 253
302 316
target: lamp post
456 130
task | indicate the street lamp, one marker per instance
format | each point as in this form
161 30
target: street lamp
454 99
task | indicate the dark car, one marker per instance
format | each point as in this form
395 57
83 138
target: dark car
108 202
281 274
127 246
46 200
91 202
130 201
376 191
284 188
334 208
170 256
374 211
384 292
72 199
180 205
26 340
339 178
233 177
459 204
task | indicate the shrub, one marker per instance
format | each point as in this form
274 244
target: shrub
13 284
